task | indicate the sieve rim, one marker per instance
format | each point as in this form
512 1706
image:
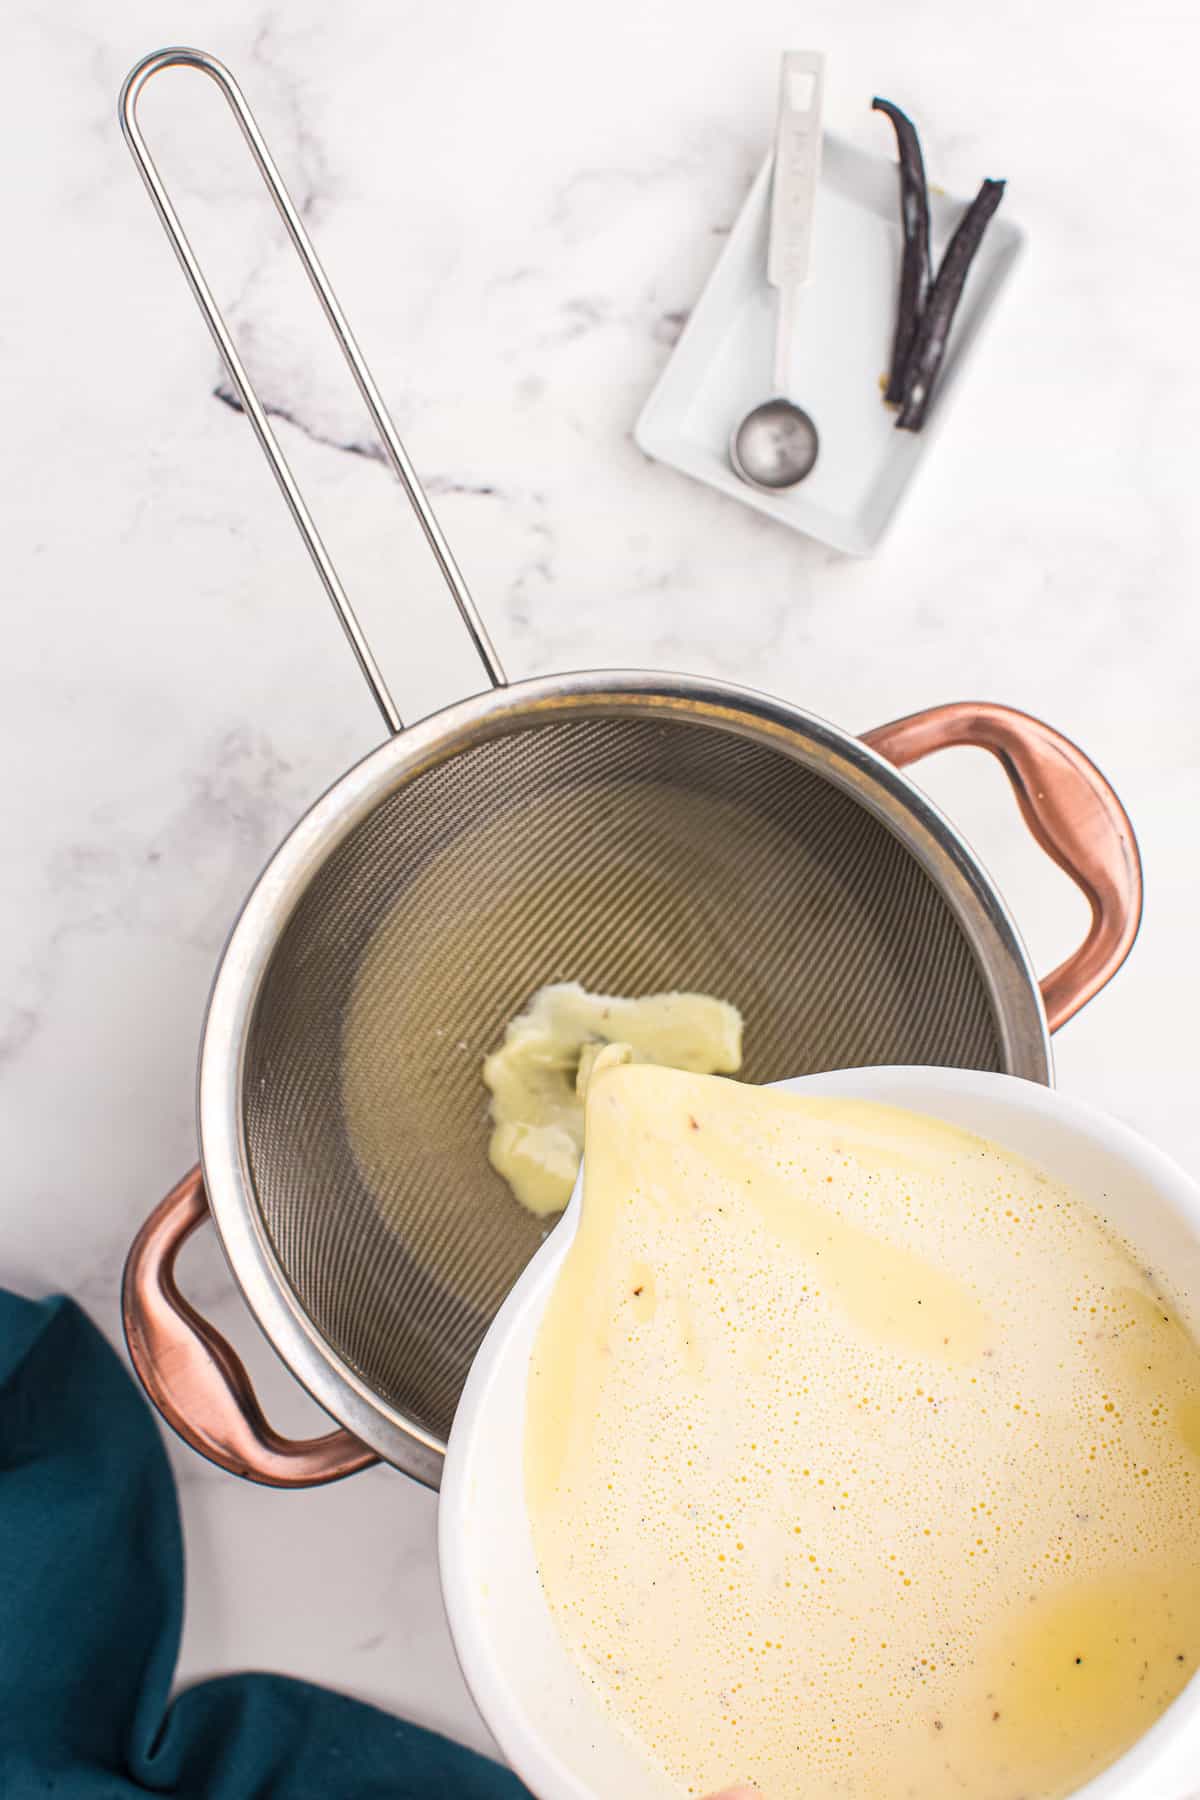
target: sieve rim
830 751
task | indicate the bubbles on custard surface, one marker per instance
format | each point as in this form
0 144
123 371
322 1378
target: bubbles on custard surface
792 1549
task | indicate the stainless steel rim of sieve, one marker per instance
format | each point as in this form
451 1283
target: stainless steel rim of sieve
632 830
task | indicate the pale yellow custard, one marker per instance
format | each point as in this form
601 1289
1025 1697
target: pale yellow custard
862 1460
537 1076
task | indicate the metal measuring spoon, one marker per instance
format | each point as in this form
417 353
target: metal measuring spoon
776 444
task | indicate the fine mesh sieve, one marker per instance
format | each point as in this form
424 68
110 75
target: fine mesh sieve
636 833
632 856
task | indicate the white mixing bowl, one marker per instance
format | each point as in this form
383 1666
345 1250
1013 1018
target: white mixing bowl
546 1719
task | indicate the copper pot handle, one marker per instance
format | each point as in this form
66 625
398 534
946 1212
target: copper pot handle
196 1379
1071 811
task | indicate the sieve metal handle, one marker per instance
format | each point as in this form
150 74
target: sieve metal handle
195 1377
1071 811
255 411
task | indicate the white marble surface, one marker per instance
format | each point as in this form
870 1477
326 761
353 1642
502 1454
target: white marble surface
519 202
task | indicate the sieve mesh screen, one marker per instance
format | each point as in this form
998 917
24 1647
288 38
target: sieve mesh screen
634 855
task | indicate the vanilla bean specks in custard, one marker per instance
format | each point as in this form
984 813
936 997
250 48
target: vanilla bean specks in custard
862 1459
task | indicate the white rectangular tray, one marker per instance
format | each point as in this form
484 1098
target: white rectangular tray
722 365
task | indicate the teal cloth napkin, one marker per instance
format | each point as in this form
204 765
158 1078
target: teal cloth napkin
91 1601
